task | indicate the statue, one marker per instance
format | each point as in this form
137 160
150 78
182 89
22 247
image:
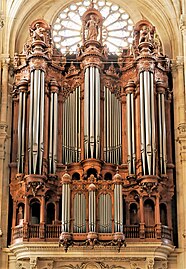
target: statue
105 51
38 33
92 27
144 34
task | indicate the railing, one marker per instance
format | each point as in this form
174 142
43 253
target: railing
53 231
33 231
150 232
166 233
131 231
17 232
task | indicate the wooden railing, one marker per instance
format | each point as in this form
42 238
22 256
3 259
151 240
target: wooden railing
131 231
53 232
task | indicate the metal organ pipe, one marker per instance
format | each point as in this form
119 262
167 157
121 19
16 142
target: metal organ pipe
112 127
71 127
147 116
118 208
162 128
53 129
92 113
20 132
131 127
36 121
66 207
92 208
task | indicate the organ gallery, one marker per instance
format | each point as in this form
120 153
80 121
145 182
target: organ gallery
91 157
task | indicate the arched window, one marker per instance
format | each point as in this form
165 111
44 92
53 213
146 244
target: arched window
35 211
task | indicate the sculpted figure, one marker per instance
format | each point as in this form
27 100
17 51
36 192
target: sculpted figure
144 34
92 27
38 33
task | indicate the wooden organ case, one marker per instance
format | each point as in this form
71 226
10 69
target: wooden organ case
92 140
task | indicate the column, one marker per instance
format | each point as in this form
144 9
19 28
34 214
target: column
142 221
157 217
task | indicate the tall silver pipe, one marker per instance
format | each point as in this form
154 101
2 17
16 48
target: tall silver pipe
86 112
133 133
55 131
142 104
164 134
30 139
92 139
153 125
97 92
37 92
108 126
160 133
76 126
41 122
105 125
23 133
79 124
115 209
63 208
20 130
51 131
129 133
147 120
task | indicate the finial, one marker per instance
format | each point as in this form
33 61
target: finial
92 4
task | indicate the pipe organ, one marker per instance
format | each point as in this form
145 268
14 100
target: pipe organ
89 129
36 121
92 113
71 123
112 127
147 117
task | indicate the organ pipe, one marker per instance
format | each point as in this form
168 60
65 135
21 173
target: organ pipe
92 113
36 122
131 128
162 133
79 213
118 208
71 127
112 127
66 205
147 116
53 132
92 208
105 213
